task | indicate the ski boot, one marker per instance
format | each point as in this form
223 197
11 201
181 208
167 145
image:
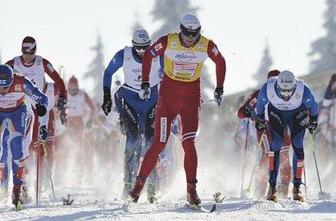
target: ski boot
16 198
297 193
192 196
271 194
134 194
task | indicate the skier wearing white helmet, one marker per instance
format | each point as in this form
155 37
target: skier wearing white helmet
136 115
290 104
184 54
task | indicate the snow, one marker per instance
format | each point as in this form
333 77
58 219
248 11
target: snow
230 209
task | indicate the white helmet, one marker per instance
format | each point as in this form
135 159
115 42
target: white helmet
190 25
286 84
141 38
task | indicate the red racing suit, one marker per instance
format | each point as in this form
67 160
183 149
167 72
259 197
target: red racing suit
179 95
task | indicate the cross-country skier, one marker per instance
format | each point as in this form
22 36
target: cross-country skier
34 68
136 114
248 110
290 104
16 115
184 54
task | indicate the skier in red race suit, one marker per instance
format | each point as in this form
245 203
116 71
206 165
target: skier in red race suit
184 54
247 110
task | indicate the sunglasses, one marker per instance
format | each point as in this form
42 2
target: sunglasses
28 53
141 47
188 32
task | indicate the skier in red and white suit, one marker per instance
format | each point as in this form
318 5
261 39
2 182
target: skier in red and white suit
247 110
34 68
184 54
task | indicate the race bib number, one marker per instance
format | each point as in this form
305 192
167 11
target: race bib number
184 69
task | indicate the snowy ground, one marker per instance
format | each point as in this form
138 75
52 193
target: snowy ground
85 207
97 195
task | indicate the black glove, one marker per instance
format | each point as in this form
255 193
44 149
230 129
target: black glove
312 126
40 110
260 124
247 111
145 91
43 132
218 95
61 102
107 104
63 117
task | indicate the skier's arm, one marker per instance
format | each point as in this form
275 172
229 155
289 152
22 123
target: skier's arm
249 104
310 101
34 93
156 49
116 63
219 60
52 73
262 101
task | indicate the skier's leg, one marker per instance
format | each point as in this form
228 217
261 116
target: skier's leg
4 170
298 128
277 126
131 159
166 112
189 120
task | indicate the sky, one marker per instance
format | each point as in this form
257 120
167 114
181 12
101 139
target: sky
66 29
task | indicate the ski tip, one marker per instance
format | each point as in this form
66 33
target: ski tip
213 209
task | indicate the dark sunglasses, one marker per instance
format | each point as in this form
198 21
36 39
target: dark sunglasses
141 47
188 32
28 52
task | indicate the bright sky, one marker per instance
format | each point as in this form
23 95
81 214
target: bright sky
66 29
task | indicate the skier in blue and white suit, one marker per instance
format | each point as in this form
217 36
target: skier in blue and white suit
289 103
136 115
16 116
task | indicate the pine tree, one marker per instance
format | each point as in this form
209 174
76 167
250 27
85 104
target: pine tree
264 68
169 12
96 69
323 50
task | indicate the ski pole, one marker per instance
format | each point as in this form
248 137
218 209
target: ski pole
244 162
255 164
315 161
49 172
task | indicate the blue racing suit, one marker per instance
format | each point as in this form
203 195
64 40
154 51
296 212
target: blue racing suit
294 114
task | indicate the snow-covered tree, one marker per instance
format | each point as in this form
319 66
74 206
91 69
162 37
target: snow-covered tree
169 12
323 51
96 69
264 67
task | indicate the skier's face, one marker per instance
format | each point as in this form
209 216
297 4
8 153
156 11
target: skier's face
73 88
28 57
189 41
141 49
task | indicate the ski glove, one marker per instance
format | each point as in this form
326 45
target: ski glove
218 95
145 91
107 104
63 117
312 125
40 110
43 132
61 102
260 124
